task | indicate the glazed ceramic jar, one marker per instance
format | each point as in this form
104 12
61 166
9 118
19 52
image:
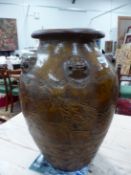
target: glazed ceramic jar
68 94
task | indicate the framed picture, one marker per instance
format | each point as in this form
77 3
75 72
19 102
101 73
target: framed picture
8 34
127 38
124 25
108 46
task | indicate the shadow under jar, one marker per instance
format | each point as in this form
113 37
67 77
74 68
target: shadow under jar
68 93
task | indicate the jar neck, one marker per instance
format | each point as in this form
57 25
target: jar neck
73 44
63 47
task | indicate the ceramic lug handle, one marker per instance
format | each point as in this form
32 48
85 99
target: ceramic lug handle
76 68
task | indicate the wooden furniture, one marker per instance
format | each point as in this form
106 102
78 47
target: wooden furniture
15 74
14 85
4 88
124 100
18 150
124 90
9 85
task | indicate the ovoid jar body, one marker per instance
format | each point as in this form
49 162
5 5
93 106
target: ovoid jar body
68 92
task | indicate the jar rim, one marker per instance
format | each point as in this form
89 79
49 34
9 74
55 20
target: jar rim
79 34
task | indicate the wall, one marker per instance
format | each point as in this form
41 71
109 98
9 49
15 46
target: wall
32 15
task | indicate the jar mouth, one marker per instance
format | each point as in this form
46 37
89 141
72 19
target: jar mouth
77 34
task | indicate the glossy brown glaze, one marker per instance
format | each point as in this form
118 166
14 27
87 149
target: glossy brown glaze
68 95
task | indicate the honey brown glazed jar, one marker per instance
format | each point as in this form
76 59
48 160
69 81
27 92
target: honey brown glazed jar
68 92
